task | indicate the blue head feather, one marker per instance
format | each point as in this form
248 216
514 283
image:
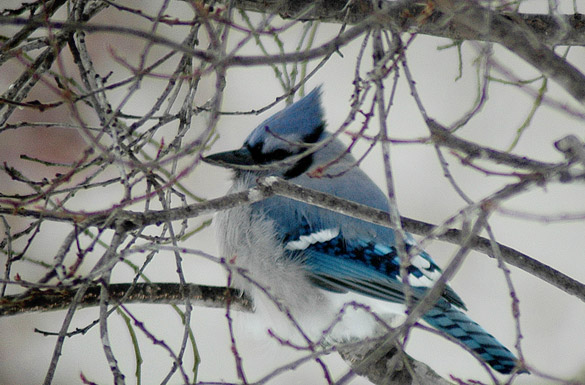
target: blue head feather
300 122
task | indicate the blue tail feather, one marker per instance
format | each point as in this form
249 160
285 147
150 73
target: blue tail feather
458 325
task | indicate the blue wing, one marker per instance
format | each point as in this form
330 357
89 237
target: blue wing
367 263
367 267
373 269
347 254
344 254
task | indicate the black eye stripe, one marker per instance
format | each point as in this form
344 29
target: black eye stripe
279 154
273 156
297 169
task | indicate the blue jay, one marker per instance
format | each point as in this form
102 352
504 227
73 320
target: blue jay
318 264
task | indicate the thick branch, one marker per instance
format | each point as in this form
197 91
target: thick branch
409 15
130 220
50 299
394 368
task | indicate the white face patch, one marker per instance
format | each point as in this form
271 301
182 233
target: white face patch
305 241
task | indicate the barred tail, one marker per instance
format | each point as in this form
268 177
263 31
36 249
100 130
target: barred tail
455 323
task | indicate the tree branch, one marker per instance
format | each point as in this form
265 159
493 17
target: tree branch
528 36
40 300
268 187
395 366
454 19
419 16
513 34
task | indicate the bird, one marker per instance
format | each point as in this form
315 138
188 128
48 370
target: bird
331 277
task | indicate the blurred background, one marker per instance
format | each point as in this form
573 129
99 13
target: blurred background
546 223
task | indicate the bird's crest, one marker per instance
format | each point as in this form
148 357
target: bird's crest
301 122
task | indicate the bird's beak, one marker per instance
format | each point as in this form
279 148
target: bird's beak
231 159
